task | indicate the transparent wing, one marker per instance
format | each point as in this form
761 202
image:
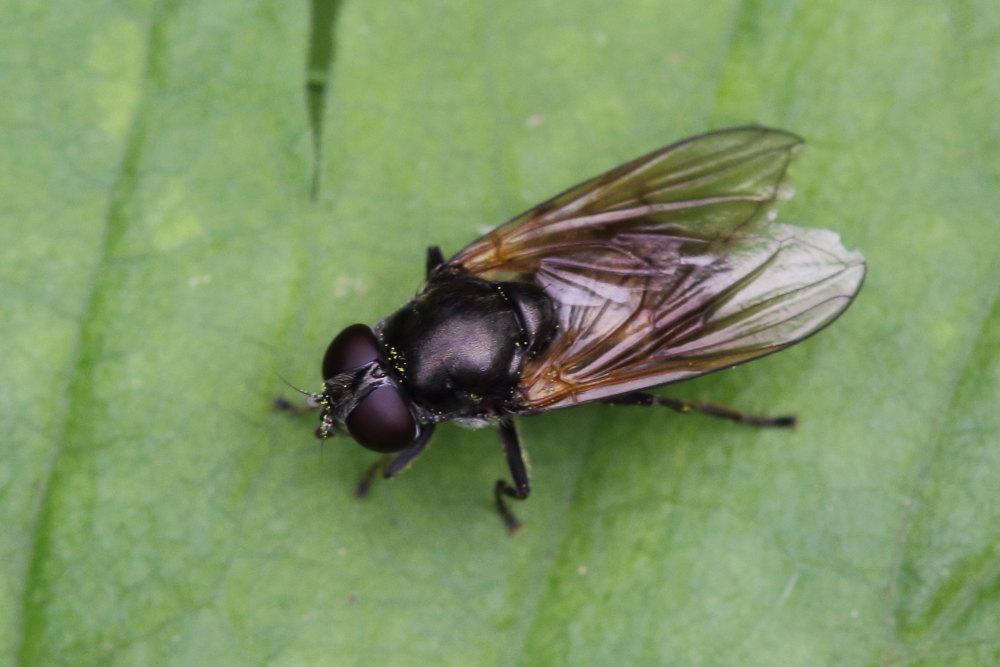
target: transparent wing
708 187
647 327
669 267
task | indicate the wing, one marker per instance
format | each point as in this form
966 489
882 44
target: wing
669 267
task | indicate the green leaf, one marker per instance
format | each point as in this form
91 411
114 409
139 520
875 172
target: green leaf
183 224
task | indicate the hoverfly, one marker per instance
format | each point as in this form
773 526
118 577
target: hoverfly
668 267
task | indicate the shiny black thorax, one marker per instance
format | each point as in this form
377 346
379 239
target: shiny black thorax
457 349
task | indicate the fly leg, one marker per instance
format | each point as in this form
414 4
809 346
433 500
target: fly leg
390 466
401 461
434 259
282 404
365 483
678 405
518 464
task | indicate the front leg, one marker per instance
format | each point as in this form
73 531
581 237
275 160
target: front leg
402 460
390 466
434 259
518 464
282 404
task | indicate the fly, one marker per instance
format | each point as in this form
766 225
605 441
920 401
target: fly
668 267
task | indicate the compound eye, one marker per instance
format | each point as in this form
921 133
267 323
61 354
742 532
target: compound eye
382 422
353 347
